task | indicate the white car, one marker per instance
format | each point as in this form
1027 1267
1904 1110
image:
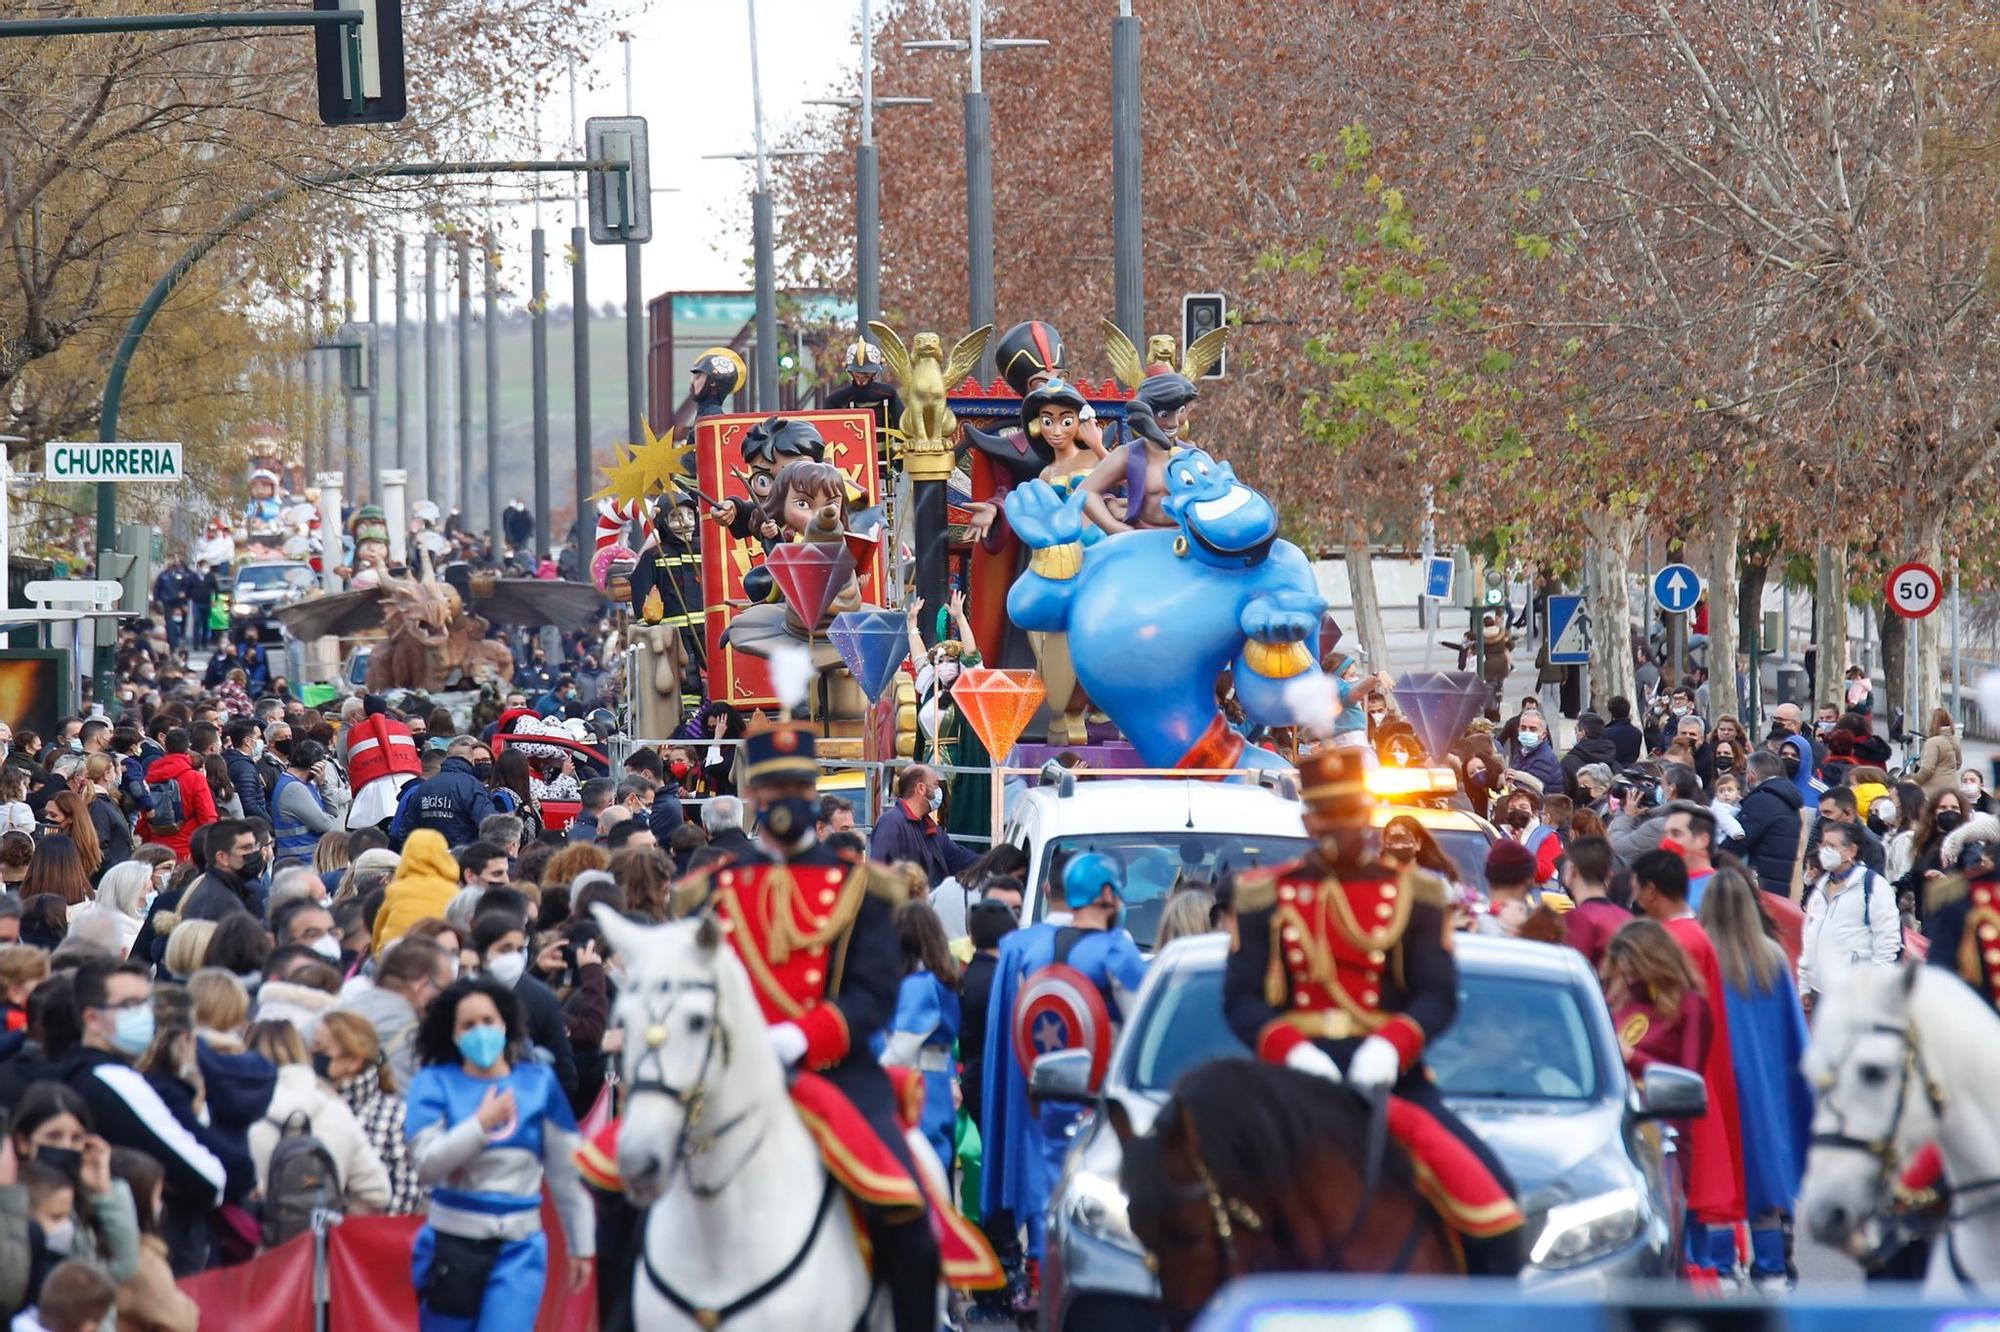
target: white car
1165 834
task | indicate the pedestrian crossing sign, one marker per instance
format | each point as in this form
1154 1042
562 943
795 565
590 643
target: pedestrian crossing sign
1569 632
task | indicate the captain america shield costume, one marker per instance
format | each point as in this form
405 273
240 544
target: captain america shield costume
1060 1008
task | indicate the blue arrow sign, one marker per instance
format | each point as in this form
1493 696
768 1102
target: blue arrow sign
1569 632
1437 577
1677 588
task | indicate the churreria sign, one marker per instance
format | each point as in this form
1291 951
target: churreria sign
114 462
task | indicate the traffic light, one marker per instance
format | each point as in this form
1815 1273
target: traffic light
621 198
360 65
1204 312
787 361
131 563
1491 591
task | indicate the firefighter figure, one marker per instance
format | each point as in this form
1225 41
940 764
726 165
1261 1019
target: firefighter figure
865 387
1343 969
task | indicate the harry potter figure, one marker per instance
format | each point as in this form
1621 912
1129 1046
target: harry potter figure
864 387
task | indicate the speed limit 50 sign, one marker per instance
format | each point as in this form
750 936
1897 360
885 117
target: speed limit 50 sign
1914 590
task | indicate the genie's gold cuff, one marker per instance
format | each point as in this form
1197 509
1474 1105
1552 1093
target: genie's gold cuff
1276 661
1059 563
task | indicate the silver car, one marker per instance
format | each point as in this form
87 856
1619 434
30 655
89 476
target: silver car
1532 1064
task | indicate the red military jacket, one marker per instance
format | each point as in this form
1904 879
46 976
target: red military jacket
1335 960
818 938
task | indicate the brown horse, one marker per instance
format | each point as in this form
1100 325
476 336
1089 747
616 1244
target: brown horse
1256 1168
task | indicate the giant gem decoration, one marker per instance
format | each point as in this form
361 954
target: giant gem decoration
810 574
1440 704
999 704
873 643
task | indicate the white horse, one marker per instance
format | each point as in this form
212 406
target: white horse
1902 1058
745 1229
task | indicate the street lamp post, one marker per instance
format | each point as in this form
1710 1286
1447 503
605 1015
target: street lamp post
978 164
1128 273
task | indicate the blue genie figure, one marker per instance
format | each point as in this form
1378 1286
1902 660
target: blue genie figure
1154 616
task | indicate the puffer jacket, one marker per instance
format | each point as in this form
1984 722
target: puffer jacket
1771 832
197 802
426 881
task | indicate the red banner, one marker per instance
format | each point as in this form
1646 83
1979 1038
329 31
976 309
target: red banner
368 1282
273 1292
850 445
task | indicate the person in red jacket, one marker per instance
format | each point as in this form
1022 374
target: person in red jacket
197 801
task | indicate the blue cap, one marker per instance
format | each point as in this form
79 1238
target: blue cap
1087 876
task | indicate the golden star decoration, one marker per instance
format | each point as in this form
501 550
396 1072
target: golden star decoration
637 473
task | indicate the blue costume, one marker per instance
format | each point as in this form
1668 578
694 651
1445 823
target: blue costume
921 1036
488 1186
1155 616
1024 1146
1767 1038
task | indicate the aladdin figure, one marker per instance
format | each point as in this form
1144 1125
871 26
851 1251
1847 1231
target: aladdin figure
864 386
1138 467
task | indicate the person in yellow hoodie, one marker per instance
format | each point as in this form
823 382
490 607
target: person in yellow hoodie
426 880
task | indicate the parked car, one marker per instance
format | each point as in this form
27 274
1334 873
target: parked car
1532 1064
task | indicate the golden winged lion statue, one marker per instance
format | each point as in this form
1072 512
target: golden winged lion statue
926 376
1202 353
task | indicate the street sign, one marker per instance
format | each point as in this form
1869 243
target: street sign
1677 588
129 461
360 68
1914 590
75 591
1569 632
1438 575
621 197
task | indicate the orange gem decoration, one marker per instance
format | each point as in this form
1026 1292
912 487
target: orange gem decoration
998 704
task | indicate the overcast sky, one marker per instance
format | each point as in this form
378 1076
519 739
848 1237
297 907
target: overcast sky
691 81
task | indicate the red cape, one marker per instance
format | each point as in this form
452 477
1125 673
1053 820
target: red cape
1715 1170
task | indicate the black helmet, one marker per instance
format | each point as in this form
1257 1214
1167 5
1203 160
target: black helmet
862 358
602 723
725 370
780 439
1027 350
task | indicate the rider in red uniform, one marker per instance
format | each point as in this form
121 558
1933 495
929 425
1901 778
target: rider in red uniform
1343 968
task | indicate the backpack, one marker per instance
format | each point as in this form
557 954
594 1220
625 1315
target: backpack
299 1181
167 814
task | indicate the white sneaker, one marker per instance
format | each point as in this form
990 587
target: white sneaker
1771 1283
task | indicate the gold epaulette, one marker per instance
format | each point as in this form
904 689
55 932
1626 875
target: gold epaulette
886 884
1256 890
1426 888
1944 891
690 895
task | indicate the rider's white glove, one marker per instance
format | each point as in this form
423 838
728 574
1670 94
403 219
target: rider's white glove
789 1042
1375 1064
1309 1058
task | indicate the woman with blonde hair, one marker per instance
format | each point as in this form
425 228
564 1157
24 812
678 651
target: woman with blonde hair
572 860
302 1098
187 946
1186 912
107 815
114 918
1656 1001
347 1052
330 859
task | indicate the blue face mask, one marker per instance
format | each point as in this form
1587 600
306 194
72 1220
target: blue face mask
134 1031
483 1046
937 797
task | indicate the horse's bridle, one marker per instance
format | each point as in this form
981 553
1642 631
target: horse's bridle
692 1099
1883 1149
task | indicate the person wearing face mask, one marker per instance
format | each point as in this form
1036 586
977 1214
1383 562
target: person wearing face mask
825 1013
487 1128
1025 1141
500 938
302 811
234 863
1531 751
1772 824
451 804
1851 917
100 1224
1944 816
909 829
1354 990
114 1011
242 746
1520 815
1972 791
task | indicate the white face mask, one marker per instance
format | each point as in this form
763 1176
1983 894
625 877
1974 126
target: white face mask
61 1236
327 947
507 968
1829 858
1971 790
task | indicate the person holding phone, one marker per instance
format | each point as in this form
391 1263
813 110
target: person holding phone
52 1125
487 1125
302 804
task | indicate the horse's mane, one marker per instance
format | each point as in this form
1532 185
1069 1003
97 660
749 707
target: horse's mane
1957 1028
1268 1135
